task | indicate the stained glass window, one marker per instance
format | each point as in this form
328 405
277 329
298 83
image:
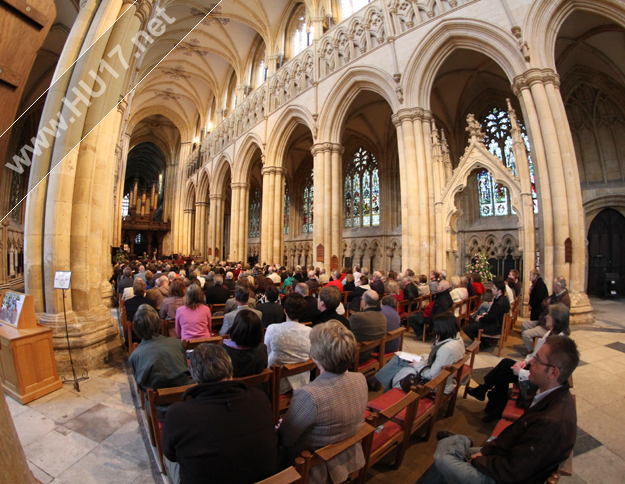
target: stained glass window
255 215
499 143
125 205
308 210
287 208
362 191
301 39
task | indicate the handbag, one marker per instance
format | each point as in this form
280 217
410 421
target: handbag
413 380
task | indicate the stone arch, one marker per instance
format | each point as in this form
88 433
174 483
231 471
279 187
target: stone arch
353 82
243 166
595 205
186 133
223 167
449 36
292 116
545 19
203 185
189 203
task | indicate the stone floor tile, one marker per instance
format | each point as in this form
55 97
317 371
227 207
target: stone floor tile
595 393
591 356
55 452
40 475
50 396
610 366
601 426
617 446
583 405
15 407
104 466
65 406
616 409
147 477
619 358
32 425
115 374
98 389
604 352
128 440
600 466
100 421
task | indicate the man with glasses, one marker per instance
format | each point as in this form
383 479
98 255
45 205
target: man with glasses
531 448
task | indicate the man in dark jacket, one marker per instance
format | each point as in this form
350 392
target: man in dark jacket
440 303
225 432
538 293
491 321
368 324
272 310
311 303
217 294
538 328
530 449
329 300
411 291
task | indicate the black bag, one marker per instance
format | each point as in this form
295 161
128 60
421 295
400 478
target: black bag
413 380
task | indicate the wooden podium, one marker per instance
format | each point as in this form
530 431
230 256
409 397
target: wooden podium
27 363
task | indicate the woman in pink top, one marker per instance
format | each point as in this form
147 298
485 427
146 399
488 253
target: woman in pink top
193 320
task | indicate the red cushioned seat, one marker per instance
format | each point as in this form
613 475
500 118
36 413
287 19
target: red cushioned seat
367 413
367 364
386 400
286 395
466 369
512 412
389 430
424 405
386 355
501 425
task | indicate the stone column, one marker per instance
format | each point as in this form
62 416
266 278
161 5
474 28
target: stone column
214 224
426 135
200 228
244 222
439 184
337 201
278 215
180 195
265 250
235 217
319 179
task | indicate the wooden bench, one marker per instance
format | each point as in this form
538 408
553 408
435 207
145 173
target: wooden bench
191 344
280 402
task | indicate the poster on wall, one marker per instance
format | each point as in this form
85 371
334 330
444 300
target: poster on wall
11 307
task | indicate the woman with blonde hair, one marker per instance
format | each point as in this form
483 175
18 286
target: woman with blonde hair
193 320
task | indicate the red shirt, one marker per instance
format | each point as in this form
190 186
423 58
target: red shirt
399 298
338 284
479 288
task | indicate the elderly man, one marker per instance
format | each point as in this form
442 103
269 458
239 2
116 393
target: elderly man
141 274
440 303
376 284
336 281
532 447
368 324
311 303
328 302
434 277
241 296
217 294
312 282
125 281
411 291
160 292
229 282
221 428
537 329
356 275
273 276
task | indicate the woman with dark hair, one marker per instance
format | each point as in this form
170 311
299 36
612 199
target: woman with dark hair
193 320
356 295
169 306
447 350
509 371
350 282
245 347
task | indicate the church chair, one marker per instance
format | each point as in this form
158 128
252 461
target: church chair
191 344
473 305
345 297
290 475
428 407
502 337
231 293
131 345
163 396
370 366
166 326
266 376
467 371
463 319
406 305
280 402
456 308
456 369
325 454
391 336
217 308
307 323
390 435
216 323
147 416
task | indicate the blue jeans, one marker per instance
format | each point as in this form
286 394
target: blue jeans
451 466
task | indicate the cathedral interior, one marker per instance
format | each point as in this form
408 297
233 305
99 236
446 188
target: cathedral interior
389 134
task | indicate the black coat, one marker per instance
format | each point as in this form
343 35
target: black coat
225 433
538 294
247 362
273 312
442 302
492 321
217 294
327 315
311 310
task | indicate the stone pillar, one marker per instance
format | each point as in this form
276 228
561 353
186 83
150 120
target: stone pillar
238 216
336 209
214 224
201 209
278 215
319 201
265 250
439 184
180 195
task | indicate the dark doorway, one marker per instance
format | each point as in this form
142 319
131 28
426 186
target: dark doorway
606 250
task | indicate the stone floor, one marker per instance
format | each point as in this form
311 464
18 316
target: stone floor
98 436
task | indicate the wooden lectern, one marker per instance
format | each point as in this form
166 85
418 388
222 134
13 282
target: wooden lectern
27 363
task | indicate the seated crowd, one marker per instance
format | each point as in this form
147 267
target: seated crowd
274 317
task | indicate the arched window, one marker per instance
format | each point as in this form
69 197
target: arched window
362 191
493 197
499 143
297 31
125 205
255 215
350 7
308 208
259 67
287 208
138 239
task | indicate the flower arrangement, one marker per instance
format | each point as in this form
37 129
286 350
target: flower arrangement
479 263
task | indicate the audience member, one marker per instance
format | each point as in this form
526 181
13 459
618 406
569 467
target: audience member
356 295
329 409
532 447
393 322
245 347
132 304
370 323
376 284
447 349
289 342
514 275
217 294
126 281
434 279
411 291
323 277
538 293
170 305
231 304
312 282
159 292
357 275
241 296
395 292
423 286
272 311
476 281
485 306
311 303
349 282
328 302
336 281
492 321
229 282
193 320
440 303
225 430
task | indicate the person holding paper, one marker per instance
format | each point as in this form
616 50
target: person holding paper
447 349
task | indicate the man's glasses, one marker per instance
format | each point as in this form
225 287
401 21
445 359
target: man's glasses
538 360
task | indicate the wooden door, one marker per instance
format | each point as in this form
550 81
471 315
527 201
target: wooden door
606 250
